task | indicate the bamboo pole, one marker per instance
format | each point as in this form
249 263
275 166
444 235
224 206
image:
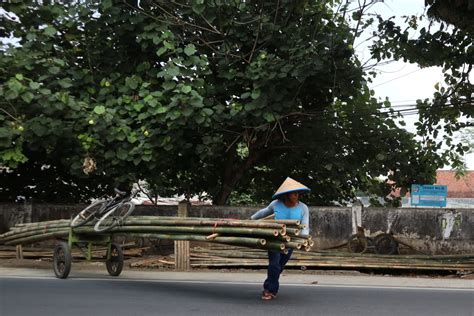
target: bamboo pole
369 255
19 252
302 241
187 220
467 266
14 230
184 229
347 256
32 233
196 222
235 255
259 259
291 263
287 222
292 231
285 238
246 241
294 245
150 228
276 245
210 219
181 247
43 222
37 238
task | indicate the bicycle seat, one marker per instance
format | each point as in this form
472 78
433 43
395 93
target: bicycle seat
119 192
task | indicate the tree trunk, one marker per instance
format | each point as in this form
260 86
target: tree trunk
233 174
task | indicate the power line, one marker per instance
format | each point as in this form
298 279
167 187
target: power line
360 114
396 78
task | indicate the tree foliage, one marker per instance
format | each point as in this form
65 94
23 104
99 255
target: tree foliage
457 12
193 97
451 109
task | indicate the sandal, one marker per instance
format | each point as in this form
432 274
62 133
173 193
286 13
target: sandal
267 295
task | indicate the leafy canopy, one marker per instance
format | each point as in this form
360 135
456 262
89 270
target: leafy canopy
194 97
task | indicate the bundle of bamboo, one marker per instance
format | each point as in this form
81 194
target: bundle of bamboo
268 234
225 256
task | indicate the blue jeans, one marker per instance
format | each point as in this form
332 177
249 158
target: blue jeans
276 264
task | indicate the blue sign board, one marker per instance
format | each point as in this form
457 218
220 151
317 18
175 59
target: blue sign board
429 195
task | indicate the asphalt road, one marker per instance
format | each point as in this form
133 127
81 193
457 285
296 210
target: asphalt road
83 296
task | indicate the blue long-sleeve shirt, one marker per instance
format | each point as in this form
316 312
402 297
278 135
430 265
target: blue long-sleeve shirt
299 212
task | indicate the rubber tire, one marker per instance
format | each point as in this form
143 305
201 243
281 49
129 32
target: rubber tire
385 244
77 218
115 263
67 260
98 227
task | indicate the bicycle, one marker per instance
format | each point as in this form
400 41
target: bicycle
109 213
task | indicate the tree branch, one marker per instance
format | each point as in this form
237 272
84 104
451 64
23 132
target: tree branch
256 38
214 30
8 114
147 194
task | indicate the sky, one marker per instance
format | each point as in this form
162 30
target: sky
404 83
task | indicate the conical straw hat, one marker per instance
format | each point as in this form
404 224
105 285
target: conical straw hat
290 185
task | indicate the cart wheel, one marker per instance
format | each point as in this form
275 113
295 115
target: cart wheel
62 260
115 262
357 245
385 244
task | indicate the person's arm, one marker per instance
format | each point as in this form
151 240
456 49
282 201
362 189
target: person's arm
264 212
305 221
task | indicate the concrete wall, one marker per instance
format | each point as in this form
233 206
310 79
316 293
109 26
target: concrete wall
434 230
431 230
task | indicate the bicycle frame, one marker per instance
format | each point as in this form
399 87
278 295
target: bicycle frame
115 202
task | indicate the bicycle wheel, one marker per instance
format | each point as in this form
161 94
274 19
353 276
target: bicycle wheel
114 217
115 262
62 260
87 214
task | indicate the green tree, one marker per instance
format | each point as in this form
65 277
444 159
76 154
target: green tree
193 97
440 44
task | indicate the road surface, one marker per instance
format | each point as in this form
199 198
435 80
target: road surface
45 295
